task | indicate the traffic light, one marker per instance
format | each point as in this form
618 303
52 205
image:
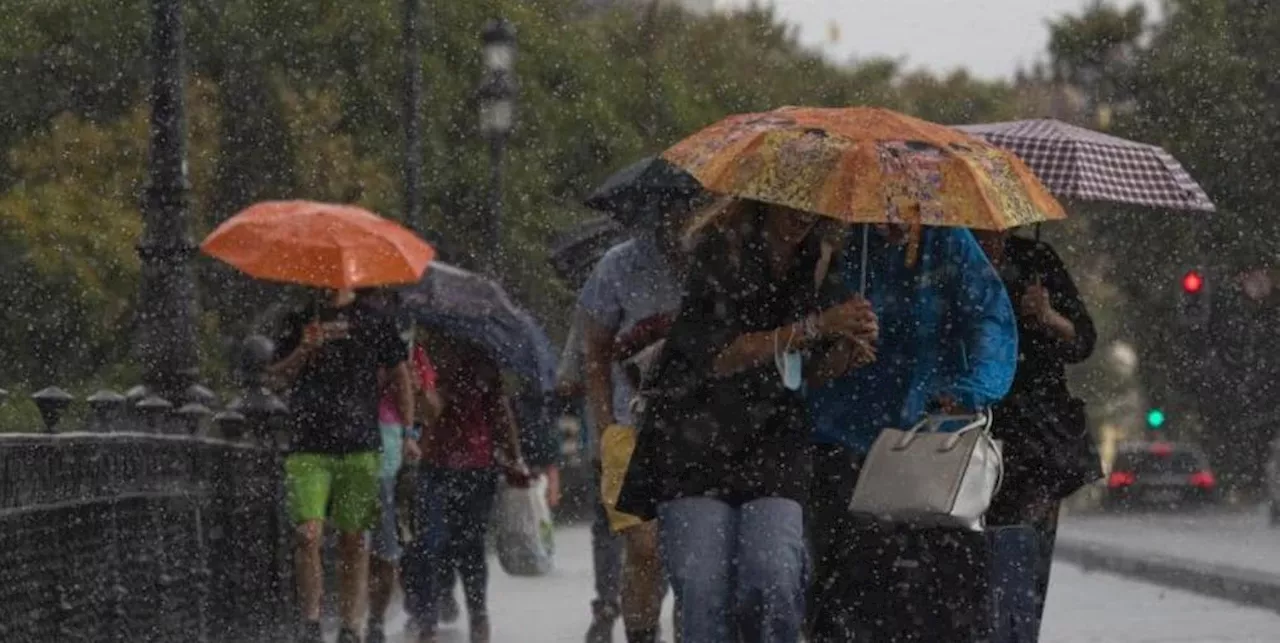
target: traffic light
1155 419
1194 303
1192 282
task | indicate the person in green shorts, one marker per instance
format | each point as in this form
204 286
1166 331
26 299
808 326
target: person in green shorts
334 358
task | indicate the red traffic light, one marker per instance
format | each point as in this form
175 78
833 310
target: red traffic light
1192 282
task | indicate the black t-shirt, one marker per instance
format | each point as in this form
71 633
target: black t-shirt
334 400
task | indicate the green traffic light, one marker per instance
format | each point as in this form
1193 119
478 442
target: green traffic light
1155 418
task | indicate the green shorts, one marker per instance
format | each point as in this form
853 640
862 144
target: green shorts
343 488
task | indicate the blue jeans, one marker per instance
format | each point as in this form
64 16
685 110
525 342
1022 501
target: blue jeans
739 573
455 506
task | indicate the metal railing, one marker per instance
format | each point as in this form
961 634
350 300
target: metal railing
158 522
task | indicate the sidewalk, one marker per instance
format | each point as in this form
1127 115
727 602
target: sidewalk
1228 554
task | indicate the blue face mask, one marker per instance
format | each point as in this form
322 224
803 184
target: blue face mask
789 363
792 368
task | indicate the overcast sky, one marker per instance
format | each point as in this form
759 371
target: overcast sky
989 37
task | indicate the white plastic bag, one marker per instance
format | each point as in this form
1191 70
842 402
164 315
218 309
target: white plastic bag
525 533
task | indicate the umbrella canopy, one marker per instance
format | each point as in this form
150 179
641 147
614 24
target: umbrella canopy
637 193
575 254
324 245
1078 163
866 165
469 306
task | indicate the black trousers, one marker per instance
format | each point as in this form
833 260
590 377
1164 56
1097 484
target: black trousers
889 583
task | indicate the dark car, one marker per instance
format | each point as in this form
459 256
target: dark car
1159 475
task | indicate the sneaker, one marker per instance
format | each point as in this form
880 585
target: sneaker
348 635
449 610
604 615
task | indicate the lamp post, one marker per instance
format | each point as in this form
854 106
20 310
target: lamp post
413 116
497 119
166 301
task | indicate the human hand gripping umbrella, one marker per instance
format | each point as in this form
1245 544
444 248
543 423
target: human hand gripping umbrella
864 165
322 245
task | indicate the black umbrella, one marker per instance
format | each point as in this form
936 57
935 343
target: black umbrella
575 253
636 194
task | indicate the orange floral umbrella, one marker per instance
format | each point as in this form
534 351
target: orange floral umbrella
866 165
324 245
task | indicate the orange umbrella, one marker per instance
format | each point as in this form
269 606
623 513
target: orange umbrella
866 165
341 247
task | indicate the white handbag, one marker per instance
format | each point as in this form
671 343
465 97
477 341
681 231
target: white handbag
930 478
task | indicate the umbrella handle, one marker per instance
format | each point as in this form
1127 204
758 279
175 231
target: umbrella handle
862 281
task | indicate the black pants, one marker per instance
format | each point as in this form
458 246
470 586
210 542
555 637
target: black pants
455 506
889 583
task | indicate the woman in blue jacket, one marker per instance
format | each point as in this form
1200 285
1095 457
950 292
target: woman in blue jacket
948 342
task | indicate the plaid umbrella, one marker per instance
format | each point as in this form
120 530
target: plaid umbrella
1078 163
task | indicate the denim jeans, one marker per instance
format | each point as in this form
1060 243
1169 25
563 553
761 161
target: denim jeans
455 506
739 573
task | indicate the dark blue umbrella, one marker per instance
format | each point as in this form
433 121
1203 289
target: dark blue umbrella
636 194
470 307
474 308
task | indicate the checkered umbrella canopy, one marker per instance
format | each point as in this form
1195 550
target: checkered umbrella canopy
1077 163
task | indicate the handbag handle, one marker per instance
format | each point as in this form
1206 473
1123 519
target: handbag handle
974 421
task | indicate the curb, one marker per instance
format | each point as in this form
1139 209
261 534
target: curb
1234 584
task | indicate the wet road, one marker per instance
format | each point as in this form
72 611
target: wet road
1084 608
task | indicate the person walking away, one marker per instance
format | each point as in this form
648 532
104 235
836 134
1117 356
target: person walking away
1046 443
334 359
458 485
721 458
399 445
634 290
948 343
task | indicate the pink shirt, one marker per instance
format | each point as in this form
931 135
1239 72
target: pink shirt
424 372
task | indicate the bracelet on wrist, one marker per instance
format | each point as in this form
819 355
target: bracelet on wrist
810 326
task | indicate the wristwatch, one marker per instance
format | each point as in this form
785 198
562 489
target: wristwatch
811 332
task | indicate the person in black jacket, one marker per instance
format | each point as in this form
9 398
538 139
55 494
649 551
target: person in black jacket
721 456
1042 426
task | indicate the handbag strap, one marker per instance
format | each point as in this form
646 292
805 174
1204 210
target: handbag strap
980 420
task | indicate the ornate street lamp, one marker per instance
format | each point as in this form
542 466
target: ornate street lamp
497 119
166 301
412 39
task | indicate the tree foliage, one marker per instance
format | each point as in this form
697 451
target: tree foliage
302 99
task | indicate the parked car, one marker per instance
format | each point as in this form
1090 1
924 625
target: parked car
1160 474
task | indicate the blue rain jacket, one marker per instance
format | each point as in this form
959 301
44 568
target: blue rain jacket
946 328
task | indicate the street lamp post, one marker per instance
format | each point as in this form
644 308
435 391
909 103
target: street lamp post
166 301
413 116
497 119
